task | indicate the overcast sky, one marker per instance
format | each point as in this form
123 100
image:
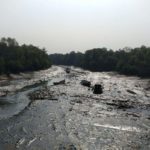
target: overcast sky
66 25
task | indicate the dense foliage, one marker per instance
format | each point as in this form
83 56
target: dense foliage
127 61
15 58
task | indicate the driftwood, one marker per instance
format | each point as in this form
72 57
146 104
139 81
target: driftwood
59 82
131 92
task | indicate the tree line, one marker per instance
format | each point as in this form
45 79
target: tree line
125 61
15 58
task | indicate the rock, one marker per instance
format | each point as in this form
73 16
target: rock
43 93
97 89
53 127
79 101
68 70
86 83
60 82
70 109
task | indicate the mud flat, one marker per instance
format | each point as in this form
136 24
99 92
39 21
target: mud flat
69 116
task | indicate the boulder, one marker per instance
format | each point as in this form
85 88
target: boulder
67 70
97 89
86 83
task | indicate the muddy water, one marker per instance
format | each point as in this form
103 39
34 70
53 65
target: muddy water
72 117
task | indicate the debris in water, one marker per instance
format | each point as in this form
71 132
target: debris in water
20 142
132 92
8 128
24 130
123 128
121 104
31 141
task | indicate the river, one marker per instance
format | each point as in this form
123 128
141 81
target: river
35 114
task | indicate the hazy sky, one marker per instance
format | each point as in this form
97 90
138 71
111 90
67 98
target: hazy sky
66 25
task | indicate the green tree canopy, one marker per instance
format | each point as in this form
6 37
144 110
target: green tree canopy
15 58
126 61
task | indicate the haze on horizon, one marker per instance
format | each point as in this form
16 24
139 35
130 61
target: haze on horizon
65 25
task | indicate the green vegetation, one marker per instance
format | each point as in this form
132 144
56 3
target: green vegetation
127 61
15 58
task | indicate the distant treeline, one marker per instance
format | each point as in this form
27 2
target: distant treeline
127 61
15 58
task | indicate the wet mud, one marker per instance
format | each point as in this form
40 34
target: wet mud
36 114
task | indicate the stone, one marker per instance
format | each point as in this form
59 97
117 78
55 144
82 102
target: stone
86 83
97 89
68 70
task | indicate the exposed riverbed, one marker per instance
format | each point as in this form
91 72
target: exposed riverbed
37 115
